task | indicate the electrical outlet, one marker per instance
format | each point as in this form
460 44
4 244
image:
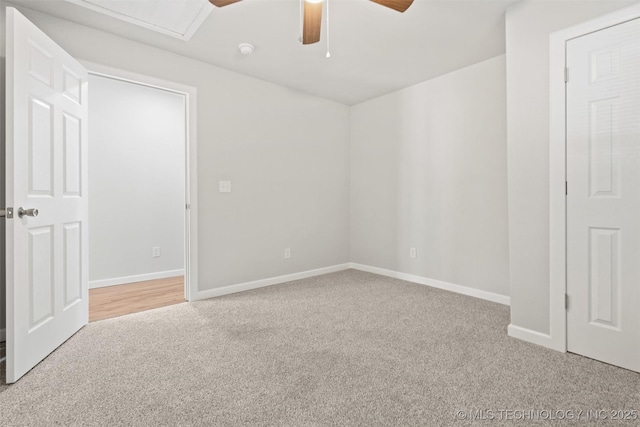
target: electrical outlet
155 252
413 253
287 253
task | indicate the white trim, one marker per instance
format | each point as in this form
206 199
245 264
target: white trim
3 335
530 336
557 200
557 169
136 278
459 289
241 287
191 166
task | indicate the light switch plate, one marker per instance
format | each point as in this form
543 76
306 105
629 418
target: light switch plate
224 186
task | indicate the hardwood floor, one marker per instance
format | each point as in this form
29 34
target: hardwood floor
114 301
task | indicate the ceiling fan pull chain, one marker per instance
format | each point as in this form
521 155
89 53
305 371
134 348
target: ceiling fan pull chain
328 53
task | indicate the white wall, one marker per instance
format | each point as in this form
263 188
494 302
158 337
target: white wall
428 170
528 26
285 152
136 180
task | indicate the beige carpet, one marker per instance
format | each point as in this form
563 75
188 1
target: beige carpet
348 348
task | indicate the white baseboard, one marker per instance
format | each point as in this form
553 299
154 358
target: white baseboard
532 336
132 279
489 296
459 289
3 335
232 289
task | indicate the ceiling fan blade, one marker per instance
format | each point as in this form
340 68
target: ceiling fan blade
312 22
399 5
221 3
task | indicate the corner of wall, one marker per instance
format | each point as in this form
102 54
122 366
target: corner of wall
349 186
2 169
531 336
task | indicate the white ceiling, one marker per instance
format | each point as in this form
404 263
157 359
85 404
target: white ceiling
374 50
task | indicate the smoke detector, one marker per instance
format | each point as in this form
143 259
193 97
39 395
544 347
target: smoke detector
246 48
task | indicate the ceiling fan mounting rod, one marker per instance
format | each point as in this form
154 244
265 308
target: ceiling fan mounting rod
328 55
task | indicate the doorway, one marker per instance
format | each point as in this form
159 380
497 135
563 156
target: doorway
46 175
137 196
603 194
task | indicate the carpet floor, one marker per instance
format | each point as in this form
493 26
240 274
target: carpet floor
343 349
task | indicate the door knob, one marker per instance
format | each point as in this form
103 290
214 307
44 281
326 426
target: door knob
27 212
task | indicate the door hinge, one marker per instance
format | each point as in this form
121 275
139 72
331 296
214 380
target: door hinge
566 188
566 74
6 213
566 301
187 206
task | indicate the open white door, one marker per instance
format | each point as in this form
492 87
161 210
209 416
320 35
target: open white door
46 170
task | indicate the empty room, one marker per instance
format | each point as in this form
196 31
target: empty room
319 212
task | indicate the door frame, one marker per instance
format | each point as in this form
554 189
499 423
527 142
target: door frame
191 159
557 337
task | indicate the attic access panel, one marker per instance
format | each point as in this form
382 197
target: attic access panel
176 18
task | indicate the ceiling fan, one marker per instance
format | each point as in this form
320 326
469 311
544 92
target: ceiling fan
312 20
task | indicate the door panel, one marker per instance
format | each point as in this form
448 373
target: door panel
72 264
47 260
604 277
604 167
40 140
71 133
603 201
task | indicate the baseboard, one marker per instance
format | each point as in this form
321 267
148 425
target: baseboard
3 335
232 289
459 289
532 336
137 278
489 296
